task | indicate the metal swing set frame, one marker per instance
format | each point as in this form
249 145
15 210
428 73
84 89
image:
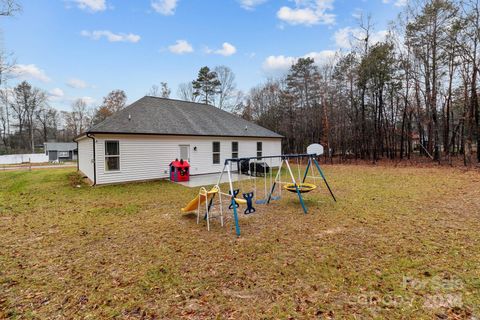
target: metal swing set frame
312 162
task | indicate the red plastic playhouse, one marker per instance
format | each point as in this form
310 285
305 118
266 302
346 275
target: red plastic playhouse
179 170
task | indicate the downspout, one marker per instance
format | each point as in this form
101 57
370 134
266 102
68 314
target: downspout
78 157
94 160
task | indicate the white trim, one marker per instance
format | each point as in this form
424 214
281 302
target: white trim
219 153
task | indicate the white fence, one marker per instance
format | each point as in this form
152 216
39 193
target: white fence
21 158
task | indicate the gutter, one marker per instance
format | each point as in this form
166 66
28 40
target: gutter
185 135
94 160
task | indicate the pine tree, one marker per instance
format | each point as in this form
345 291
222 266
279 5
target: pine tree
206 86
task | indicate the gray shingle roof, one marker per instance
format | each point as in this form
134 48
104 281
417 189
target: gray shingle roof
152 115
60 146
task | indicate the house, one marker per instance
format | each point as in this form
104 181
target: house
60 151
139 142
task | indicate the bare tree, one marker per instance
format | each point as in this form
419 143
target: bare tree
165 90
113 102
39 100
80 116
162 91
186 92
5 116
9 7
47 118
227 90
154 91
26 101
7 64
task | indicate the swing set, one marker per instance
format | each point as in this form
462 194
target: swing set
241 194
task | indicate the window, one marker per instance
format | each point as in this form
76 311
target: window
259 149
234 149
112 156
216 152
63 154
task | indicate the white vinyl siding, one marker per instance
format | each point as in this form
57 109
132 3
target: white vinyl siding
145 157
85 157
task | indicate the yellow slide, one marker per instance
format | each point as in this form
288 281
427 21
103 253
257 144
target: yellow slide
193 205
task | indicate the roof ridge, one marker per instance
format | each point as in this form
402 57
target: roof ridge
178 100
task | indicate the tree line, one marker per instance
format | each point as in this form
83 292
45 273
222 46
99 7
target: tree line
412 93
27 120
415 92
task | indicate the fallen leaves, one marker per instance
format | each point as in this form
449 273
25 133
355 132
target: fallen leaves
126 251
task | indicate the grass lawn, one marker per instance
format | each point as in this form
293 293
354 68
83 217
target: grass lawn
399 243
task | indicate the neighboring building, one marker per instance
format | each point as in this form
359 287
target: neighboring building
61 151
140 141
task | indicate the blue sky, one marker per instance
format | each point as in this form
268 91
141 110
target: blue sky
86 48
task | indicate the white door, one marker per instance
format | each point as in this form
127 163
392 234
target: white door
185 152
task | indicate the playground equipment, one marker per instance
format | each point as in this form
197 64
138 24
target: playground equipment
302 187
179 170
272 186
207 198
200 199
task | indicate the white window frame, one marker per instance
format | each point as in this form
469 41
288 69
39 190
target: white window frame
260 151
112 156
235 152
216 152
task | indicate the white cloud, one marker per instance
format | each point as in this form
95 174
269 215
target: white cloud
60 99
91 5
308 12
274 64
321 57
397 3
297 16
110 36
57 93
250 4
165 7
181 47
280 64
29 71
345 37
77 83
88 100
226 50
357 13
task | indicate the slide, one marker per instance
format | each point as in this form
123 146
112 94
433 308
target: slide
193 205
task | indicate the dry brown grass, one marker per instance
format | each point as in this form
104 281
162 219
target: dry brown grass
399 243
